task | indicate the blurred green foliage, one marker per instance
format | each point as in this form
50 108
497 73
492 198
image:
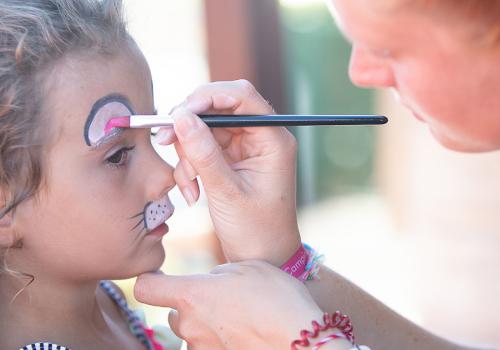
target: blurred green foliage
332 160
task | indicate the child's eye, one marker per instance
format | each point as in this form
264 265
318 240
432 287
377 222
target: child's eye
120 157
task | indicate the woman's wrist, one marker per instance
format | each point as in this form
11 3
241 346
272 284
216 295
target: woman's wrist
302 321
333 331
282 251
277 252
317 327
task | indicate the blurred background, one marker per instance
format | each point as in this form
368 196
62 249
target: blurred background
414 224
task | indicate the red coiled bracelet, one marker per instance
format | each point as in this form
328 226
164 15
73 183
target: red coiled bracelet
337 320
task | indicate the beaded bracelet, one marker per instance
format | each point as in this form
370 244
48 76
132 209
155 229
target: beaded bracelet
313 264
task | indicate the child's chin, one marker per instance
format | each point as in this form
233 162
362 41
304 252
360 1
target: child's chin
152 262
144 264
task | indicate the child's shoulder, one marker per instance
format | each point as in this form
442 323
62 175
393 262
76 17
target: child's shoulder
158 337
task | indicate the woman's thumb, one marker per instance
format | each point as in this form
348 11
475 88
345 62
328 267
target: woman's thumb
202 150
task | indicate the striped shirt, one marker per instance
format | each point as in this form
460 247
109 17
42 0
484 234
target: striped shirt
135 324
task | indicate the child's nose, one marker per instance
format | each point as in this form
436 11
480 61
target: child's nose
159 178
367 70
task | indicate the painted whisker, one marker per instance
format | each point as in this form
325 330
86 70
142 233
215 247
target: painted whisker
138 224
137 215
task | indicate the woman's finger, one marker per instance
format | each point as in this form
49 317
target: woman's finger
173 321
226 268
238 96
203 151
165 136
187 184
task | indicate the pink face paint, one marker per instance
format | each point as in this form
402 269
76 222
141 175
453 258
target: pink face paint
119 122
102 112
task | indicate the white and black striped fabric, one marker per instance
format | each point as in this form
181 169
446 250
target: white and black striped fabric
44 346
135 324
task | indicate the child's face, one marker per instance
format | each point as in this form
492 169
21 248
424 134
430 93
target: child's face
80 226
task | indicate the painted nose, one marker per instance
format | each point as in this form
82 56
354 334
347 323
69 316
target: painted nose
159 179
367 70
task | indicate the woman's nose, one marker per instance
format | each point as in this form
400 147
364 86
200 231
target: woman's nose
366 69
159 178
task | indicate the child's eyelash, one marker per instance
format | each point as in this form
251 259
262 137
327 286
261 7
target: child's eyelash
119 158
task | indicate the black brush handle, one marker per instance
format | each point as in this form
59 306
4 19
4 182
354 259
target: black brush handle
228 121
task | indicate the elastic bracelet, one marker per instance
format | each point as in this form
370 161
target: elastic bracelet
304 264
336 321
328 339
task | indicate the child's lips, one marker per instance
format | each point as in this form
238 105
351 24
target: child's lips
161 230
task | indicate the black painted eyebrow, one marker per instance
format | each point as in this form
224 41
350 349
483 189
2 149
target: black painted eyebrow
114 97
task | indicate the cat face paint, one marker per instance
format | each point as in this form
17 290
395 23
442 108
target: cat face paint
154 214
111 106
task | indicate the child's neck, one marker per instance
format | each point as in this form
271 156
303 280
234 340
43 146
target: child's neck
51 310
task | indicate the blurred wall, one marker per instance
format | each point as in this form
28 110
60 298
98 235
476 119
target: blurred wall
446 206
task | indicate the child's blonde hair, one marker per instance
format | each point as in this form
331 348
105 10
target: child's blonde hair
34 36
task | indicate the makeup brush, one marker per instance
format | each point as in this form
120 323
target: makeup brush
229 121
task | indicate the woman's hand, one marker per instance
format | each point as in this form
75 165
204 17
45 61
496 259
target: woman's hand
248 173
246 305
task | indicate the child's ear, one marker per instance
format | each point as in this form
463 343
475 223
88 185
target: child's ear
7 235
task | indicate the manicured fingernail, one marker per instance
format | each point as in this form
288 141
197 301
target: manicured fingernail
185 122
165 136
189 170
198 106
188 196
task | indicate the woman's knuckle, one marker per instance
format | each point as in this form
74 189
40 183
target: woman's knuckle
246 87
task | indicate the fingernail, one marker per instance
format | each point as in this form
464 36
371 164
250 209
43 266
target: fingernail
223 101
175 107
198 106
188 196
188 168
185 122
165 136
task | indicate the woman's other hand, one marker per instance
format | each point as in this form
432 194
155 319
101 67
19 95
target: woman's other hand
268 308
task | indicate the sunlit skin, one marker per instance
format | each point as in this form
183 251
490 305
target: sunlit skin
446 77
78 230
438 68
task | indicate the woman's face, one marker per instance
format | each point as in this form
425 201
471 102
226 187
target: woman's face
91 219
434 66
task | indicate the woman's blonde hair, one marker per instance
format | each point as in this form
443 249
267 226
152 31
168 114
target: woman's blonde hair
34 36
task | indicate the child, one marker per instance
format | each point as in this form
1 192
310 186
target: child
76 208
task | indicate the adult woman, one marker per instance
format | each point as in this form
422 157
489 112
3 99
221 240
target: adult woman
441 58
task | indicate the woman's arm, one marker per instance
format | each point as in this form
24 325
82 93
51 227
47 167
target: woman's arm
249 178
374 323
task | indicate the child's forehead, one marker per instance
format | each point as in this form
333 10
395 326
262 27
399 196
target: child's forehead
82 93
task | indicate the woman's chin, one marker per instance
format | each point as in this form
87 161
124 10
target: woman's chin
458 144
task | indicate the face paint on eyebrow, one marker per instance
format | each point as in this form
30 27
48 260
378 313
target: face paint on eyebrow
111 106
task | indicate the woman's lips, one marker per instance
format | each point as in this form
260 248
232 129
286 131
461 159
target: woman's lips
417 116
